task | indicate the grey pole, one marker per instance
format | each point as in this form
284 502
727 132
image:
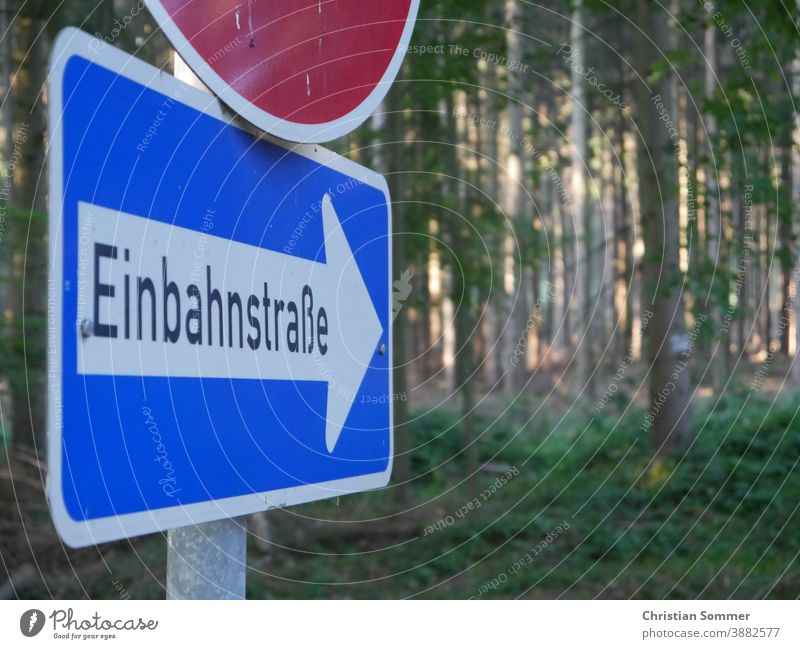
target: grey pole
207 561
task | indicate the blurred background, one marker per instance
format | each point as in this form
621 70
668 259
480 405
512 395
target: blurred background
596 218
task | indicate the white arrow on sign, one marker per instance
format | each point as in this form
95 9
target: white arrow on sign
359 337
200 265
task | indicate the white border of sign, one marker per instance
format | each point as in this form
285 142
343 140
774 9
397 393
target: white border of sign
285 129
69 42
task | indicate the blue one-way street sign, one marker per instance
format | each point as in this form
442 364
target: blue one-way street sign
220 308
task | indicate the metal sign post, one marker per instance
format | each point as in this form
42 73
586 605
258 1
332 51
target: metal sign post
208 561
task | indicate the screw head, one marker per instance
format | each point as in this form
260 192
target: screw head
87 328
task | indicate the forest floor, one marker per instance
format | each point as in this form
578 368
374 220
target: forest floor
569 504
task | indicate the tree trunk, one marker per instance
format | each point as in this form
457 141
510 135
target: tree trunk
29 267
462 296
623 265
795 196
579 151
713 216
402 445
516 190
6 152
786 315
668 346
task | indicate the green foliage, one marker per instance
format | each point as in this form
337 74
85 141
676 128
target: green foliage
744 458
677 517
23 332
436 441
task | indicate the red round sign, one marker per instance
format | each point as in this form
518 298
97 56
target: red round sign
303 70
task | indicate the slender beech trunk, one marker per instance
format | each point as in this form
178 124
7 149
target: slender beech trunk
713 215
666 337
623 264
579 149
402 446
795 197
516 191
